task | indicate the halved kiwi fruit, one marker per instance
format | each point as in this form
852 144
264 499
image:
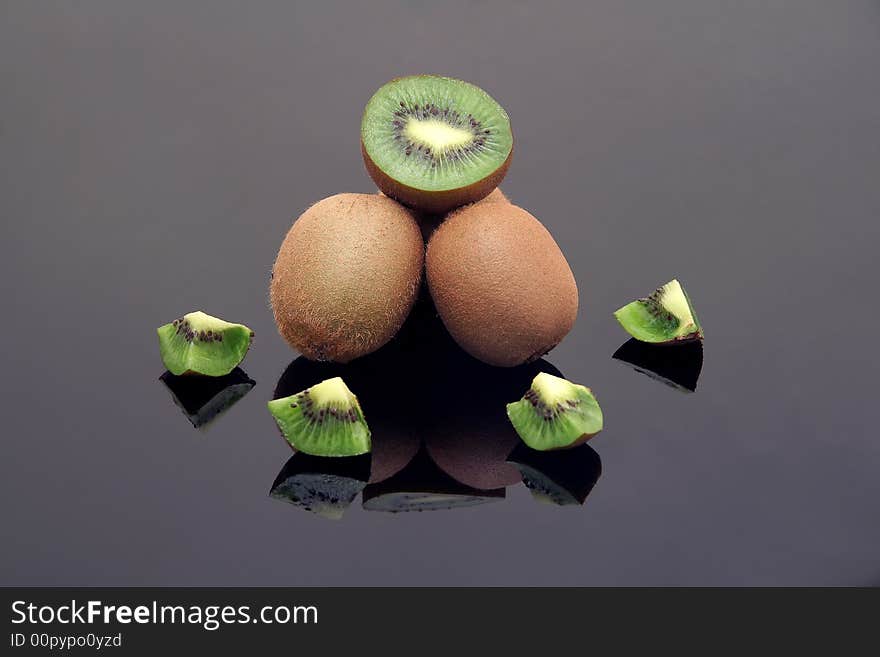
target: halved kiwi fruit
203 399
678 368
422 486
200 344
323 420
435 143
555 414
556 478
665 316
324 486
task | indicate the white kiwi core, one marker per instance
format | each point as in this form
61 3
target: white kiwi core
439 135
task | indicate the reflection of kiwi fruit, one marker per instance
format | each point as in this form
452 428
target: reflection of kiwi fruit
346 276
556 477
393 441
323 486
471 441
500 283
665 316
203 399
422 486
200 344
435 143
678 368
323 420
555 413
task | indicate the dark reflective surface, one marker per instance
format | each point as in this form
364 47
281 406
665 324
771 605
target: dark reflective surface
676 365
153 155
204 398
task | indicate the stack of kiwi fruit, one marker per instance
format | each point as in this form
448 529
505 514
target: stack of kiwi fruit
352 267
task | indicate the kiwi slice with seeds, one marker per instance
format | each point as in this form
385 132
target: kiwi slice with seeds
204 399
324 486
557 478
198 343
665 316
555 414
435 143
323 420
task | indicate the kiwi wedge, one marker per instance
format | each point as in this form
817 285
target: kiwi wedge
435 143
323 420
203 399
198 343
665 316
557 478
324 486
678 368
555 414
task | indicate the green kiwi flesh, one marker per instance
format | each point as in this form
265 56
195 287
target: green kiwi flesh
323 420
665 316
198 343
435 143
555 414
324 486
204 399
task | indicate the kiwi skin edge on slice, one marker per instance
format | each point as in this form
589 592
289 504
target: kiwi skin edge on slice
665 316
435 143
555 414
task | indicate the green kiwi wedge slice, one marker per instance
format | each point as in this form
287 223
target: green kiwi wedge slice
435 143
323 420
198 343
665 316
555 414
205 398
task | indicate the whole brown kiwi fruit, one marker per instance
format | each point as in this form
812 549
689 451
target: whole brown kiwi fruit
346 276
500 283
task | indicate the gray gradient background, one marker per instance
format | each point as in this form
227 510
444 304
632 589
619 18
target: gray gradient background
153 154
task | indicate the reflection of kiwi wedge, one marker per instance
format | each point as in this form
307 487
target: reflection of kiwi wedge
200 344
392 437
666 315
321 485
558 478
346 276
203 399
555 414
422 486
678 368
435 143
471 441
323 420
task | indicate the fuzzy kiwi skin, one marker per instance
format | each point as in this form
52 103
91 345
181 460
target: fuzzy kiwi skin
346 276
501 285
435 202
428 222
